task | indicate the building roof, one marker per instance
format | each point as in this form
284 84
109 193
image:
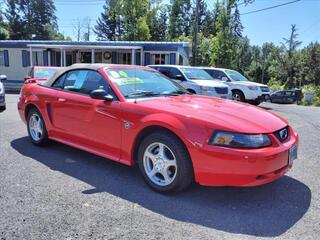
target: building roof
91 43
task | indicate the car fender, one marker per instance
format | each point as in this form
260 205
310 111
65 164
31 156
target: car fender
184 131
192 86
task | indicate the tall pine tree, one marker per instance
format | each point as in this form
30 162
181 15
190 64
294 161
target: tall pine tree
31 19
16 26
110 25
180 19
135 15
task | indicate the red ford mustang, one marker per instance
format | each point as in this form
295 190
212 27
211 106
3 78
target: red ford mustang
133 114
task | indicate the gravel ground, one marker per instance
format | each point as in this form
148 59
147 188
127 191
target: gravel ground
60 192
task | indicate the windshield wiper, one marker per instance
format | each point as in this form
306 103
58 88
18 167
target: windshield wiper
174 93
143 94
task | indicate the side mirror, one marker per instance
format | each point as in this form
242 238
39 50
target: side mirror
225 79
101 95
179 77
3 77
26 78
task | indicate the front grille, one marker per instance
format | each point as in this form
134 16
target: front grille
221 90
282 134
264 89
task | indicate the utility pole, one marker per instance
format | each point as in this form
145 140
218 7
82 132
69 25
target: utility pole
195 37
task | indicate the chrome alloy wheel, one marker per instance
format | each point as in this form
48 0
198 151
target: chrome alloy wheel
35 127
160 164
237 97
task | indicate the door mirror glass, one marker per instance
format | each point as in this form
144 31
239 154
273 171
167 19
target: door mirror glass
179 77
27 78
3 77
101 95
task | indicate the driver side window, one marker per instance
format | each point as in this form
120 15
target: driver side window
174 73
82 81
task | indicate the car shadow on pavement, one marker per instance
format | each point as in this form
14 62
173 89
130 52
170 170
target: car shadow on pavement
265 211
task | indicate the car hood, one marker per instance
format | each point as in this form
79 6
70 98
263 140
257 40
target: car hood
218 113
209 83
248 83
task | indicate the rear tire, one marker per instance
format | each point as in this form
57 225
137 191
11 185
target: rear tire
191 91
2 108
238 96
256 102
165 163
37 130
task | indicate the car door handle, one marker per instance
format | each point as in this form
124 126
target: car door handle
62 100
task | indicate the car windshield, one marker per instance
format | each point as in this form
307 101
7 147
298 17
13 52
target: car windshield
135 83
236 76
196 73
44 72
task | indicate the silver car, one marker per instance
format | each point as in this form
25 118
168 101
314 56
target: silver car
195 80
2 94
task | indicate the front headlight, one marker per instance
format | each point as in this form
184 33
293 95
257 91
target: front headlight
253 88
240 140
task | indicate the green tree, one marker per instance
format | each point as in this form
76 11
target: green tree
29 19
180 19
109 25
44 21
158 26
16 26
4 34
223 45
135 14
291 58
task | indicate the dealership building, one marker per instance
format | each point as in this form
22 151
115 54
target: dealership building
17 56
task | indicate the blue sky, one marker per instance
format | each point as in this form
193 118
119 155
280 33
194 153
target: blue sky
266 26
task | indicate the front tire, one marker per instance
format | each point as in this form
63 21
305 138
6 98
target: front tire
238 96
36 128
165 163
2 108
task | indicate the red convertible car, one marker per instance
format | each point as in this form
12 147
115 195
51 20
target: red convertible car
133 114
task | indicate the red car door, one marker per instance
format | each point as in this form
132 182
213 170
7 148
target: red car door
81 120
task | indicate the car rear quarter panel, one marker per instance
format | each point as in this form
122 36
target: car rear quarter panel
38 96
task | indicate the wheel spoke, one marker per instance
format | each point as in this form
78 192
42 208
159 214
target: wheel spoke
166 176
161 150
150 156
152 172
170 163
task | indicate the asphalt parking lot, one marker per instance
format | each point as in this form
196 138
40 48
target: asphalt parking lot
60 192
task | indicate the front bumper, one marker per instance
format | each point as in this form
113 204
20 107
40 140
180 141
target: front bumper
221 166
215 94
2 100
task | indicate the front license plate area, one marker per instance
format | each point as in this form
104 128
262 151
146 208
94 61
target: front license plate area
293 154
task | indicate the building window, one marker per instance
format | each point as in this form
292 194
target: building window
2 61
162 58
124 58
37 58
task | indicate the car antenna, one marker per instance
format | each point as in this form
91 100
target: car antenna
135 84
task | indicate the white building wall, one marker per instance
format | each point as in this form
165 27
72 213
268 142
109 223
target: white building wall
15 71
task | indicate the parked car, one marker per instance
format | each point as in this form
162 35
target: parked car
134 114
286 96
195 80
242 89
2 94
41 72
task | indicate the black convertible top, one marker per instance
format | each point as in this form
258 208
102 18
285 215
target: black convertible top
91 66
